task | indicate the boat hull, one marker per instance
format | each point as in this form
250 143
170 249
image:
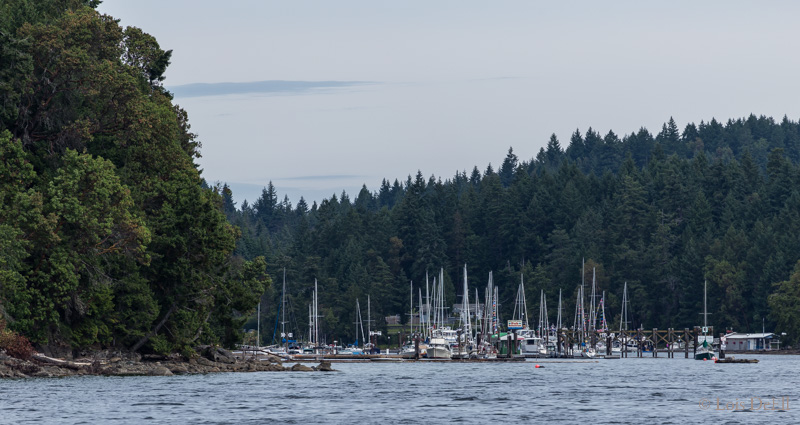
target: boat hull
439 353
707 355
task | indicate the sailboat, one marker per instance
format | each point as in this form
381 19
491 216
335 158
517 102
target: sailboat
465 346
440 336
359 324
281 349
705 351
531 342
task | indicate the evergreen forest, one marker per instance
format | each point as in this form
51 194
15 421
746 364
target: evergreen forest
111 238
663 212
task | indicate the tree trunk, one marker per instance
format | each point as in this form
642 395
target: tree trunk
155 330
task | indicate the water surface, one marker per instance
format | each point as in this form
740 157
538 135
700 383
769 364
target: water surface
606 391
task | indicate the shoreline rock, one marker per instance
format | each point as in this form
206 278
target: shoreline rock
221 360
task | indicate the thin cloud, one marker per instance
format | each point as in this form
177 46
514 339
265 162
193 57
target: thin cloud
326 177
269 86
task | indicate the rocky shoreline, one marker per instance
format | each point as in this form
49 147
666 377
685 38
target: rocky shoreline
208 360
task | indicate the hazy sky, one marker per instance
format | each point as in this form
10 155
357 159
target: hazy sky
330 95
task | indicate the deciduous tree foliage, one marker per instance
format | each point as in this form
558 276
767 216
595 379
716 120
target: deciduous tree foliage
109 236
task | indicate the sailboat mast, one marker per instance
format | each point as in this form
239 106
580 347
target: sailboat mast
558 321
355 324
583 318
419 327
441 296
411 307
316 315
435 304
524 305
603 312
541 311
593 306
477 318
427 306
545 321
581 303
575 322
283 312
496 311
369 323
465 306
625 303
705 305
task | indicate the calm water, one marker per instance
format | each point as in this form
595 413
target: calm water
630 390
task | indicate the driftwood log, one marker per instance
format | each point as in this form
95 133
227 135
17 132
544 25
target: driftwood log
62 363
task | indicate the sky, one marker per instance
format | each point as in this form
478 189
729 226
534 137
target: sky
321 97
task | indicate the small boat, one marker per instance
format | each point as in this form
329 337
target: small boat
409 351
705 351
532 345
438 348
350 350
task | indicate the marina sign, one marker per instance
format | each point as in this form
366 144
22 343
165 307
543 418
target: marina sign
514 324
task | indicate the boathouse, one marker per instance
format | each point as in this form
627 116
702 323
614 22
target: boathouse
751 342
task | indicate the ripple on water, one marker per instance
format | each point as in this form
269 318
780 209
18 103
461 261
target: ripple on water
408 393
160 403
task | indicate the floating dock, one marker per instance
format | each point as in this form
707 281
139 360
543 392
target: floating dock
732 360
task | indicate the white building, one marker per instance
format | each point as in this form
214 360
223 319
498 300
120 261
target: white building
750 342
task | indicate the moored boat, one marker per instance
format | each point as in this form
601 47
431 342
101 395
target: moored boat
705 351
438 348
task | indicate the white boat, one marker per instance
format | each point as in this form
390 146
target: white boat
532 344
350 350
438 348
409 350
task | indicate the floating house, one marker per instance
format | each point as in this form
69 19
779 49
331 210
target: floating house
751 342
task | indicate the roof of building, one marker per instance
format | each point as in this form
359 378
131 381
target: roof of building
736 335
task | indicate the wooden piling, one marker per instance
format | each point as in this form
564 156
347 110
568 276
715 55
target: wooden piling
655 342
686 342
625 338
559 341
669 343
639 352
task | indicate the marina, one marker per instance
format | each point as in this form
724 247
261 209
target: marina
476 333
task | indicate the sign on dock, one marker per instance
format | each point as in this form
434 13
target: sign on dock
514 324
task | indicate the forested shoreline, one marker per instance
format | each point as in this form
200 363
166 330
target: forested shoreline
663 212
109 235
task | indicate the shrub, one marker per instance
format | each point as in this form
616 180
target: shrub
15 345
